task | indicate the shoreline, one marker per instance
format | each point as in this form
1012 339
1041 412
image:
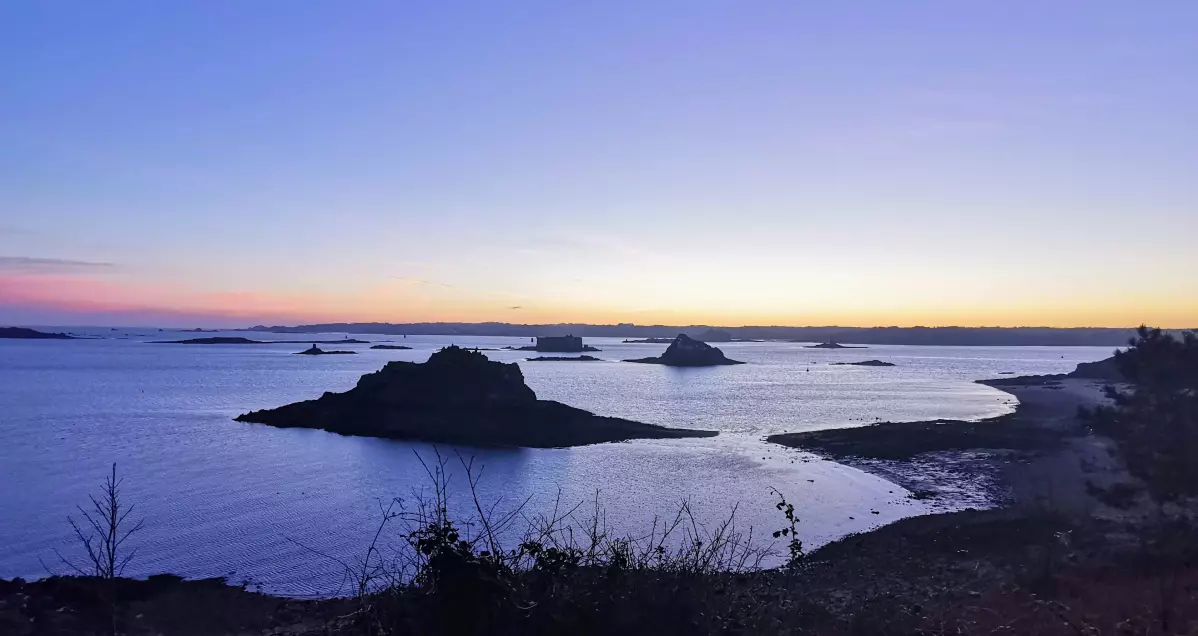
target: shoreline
1041 455
939 560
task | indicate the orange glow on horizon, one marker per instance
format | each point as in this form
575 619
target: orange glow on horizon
382 303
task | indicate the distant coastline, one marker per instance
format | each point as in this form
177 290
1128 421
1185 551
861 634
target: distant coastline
234 340
934 336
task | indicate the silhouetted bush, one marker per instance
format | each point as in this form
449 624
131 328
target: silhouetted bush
1155 418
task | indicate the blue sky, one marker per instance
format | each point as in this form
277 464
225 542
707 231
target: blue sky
679 162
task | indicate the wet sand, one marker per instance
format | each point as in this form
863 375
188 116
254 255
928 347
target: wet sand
1041 456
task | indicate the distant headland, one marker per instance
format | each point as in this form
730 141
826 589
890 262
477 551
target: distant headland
21 333
236 340
954 336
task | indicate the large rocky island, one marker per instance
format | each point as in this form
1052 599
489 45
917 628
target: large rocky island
688 352
458 397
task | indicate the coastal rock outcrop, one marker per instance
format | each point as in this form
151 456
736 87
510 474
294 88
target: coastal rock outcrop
688 352
1106 370
388 347
864 363
457 397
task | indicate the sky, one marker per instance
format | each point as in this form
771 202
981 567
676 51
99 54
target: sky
677 162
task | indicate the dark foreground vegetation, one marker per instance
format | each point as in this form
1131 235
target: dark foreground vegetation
1023 570
963 573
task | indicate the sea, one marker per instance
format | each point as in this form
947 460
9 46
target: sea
285 510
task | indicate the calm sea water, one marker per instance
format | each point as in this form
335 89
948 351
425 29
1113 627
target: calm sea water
253 502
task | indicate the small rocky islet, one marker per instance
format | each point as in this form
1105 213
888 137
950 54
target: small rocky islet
317 351
685 351
458 397
833 345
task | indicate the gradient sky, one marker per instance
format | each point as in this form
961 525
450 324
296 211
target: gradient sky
790 162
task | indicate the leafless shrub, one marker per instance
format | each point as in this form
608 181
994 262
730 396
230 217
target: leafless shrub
103 533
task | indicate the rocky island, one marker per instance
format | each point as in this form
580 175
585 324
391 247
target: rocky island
564 359
317 351
458 397
557 344
650 341
388 347
864 363
688 352
22 333
832 345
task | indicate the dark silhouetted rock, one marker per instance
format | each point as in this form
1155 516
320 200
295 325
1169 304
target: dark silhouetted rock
317 351
218 340
688 352
565 359
31 334
390 347
458 397
865 363
832 345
